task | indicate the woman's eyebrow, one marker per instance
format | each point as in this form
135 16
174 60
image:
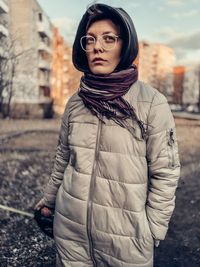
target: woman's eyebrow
90 33
108 32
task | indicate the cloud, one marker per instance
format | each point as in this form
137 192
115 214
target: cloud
175 2
187 14
133 4
186 57
188 41
185 45
166 33
128 3
176 38
67 27
161 8
168 4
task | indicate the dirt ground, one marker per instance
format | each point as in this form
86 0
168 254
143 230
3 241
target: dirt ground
27 149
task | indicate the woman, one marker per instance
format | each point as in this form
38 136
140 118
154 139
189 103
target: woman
116 168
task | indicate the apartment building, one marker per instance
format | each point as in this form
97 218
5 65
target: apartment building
187 87
156 62
65 78
31 35
179 75
191 87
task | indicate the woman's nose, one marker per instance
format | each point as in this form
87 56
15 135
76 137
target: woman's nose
97 45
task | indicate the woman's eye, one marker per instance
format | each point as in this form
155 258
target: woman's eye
109 38
89 40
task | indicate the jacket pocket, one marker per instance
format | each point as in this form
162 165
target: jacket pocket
171 147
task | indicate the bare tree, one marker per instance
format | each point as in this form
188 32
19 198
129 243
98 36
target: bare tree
9 61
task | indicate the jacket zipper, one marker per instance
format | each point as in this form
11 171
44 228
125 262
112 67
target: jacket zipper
171 144
91 191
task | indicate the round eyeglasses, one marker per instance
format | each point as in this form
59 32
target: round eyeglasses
107 41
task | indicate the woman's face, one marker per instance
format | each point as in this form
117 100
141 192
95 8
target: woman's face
101 60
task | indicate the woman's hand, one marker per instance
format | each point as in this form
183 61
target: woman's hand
44 209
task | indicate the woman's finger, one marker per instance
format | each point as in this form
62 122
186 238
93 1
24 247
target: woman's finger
39 205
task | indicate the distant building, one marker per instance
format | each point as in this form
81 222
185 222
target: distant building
57 68
65 78
187 87
179 75
191 85
31 34
156 62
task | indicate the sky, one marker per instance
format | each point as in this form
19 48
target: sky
175 23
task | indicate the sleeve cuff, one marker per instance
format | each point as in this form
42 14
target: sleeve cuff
156 242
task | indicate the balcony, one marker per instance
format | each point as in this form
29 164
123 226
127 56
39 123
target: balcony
43 29
45 47
3 31
3 7
66 57
44 82
66 79
65 69
43 64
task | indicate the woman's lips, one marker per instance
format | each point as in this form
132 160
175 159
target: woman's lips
98 61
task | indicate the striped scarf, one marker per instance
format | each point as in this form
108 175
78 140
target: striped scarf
102 94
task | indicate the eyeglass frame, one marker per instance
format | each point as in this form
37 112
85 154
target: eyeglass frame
117 37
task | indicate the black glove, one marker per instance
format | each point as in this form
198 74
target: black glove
44 222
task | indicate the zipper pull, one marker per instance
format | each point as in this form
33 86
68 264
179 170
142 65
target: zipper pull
171 137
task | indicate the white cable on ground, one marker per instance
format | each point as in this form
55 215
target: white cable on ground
24 213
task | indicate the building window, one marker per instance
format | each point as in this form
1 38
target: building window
40 16
45 91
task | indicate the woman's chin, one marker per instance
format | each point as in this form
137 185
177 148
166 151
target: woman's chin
100 70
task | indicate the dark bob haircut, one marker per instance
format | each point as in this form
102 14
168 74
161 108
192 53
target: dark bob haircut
127 31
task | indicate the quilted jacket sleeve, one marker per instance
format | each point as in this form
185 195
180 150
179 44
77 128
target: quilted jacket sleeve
163 164
60 163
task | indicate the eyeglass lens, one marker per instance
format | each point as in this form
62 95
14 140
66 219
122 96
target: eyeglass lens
107 42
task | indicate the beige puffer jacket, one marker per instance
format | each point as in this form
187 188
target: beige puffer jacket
114 193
